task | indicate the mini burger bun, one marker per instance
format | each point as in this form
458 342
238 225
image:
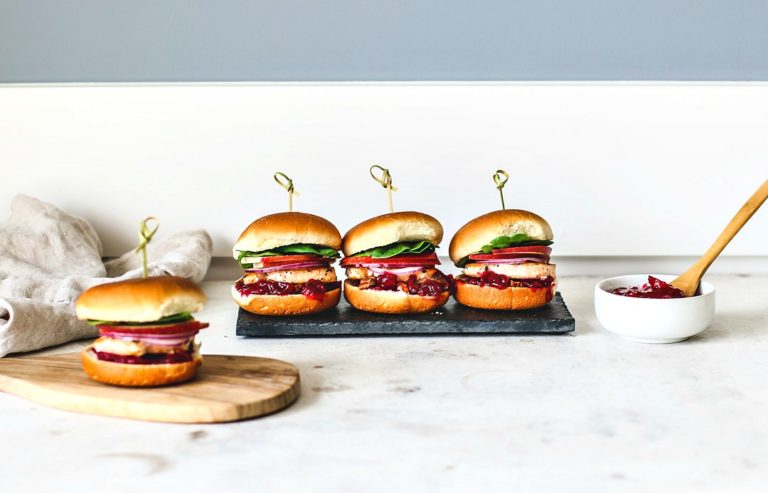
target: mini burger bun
376 301
138 375
512 298
392 228
291 304
287 228
140 300
478 232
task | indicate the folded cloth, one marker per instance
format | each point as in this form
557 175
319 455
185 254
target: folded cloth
49 257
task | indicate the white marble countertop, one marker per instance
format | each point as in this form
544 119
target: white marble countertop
586 412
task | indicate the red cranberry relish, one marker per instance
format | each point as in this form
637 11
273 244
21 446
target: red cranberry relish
179 356
427 287
655 288
312 289
500 281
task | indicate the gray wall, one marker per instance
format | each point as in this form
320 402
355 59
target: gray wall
305 40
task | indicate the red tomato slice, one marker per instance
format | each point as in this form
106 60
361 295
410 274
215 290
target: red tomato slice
425 259
403 262
288 259
534 249
167 329
502 256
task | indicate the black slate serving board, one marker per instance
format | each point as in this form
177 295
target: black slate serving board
453 318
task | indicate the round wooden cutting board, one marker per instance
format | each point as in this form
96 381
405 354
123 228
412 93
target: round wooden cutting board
227 388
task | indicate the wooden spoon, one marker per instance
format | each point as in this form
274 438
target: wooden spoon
688 282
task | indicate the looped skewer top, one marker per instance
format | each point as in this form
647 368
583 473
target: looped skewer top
145 236
385 180
500 179
285 182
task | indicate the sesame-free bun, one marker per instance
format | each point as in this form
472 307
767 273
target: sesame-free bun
512 298
138 375
287 228
291 304
392 228
478 232
140 300
376 301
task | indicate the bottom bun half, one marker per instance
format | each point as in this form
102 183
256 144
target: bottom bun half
490 298
292 304
138 375
371 300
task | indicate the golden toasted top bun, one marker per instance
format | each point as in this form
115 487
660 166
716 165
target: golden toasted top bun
140 300
392 228
287 228
478 232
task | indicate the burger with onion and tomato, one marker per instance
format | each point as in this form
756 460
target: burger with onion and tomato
390 262
505 256
287 259
147 331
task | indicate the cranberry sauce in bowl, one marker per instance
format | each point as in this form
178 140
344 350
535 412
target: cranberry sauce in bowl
648 309
654 288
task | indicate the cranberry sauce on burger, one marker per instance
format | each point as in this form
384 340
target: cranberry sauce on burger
506 259
391 264
288 260
411 273
145 326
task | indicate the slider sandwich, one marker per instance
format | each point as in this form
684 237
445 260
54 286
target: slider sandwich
287 259
390 262
506 259
147 331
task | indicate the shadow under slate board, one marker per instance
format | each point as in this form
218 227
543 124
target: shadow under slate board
453 318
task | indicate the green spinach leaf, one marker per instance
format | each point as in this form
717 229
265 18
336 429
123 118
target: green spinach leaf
295 249
170 319
387 251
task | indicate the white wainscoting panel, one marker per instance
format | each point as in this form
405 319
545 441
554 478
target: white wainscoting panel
618 169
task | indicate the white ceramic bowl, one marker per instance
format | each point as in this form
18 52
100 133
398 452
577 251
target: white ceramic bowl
652 320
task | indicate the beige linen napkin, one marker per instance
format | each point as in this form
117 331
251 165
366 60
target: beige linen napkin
49 257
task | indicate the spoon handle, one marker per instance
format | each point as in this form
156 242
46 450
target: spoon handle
733 227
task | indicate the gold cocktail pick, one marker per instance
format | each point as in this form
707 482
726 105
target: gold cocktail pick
500 179
385 180
145 236
285 182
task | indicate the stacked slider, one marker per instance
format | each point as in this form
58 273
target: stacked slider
147 331
390 262
287 259
506 259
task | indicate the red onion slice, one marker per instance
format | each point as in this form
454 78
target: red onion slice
519 260
296 265
398 272
137 336
151 341
154 340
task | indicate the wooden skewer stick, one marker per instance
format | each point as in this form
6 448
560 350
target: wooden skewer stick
285 182
500 179
385 180
145 236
